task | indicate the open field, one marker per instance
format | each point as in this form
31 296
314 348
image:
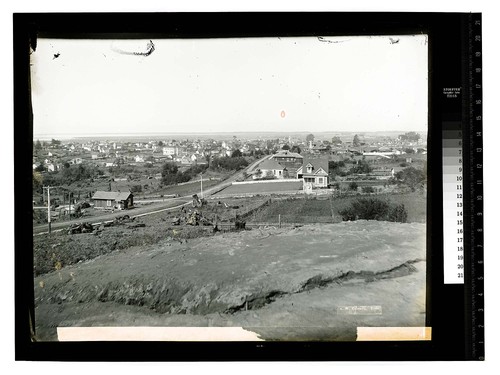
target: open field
261 188
265 280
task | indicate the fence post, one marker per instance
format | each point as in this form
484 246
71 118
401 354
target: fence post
279 220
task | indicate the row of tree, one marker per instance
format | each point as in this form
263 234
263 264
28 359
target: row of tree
171 174
66 176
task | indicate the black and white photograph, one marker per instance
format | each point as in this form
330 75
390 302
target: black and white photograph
230 189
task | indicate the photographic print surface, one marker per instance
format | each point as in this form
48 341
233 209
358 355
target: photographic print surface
230 188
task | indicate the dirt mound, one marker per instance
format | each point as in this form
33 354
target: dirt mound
238 271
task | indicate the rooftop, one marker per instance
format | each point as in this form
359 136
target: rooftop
112 195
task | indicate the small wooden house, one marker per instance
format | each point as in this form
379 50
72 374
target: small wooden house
113 200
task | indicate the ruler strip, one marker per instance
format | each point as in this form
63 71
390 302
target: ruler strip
475 259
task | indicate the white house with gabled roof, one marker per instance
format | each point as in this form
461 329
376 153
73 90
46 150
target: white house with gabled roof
315 172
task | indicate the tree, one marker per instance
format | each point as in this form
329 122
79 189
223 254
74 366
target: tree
236 154
228 163
361 166
336 168
355 141
160 144
310 138
411 177
336 140
55 142
37 180
296 149
285 147
38 145
169 173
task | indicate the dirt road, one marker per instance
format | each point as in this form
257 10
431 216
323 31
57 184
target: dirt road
284 284
171 204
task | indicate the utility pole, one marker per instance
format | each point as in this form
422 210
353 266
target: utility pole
48 206
201 175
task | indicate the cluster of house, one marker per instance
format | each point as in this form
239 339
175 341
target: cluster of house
195 151
311 169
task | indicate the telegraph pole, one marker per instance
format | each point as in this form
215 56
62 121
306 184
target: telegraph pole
201 175
48 206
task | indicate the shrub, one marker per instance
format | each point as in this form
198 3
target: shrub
368 189
229 163
374 209
353 186
136 189
398 214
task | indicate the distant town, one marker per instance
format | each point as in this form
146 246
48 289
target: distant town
157 168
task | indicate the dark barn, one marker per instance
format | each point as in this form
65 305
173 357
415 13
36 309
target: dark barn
112 200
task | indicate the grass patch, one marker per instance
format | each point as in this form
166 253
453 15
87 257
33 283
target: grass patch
327 210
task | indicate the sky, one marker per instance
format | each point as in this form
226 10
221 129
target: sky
352 83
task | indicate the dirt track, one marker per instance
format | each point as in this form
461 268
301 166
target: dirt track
281 283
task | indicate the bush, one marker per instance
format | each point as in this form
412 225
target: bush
374 209
136 189
398 214
229 163
368 189
353 186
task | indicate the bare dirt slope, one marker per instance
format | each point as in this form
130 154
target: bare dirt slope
281 283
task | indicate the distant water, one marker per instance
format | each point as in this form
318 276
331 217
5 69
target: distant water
224 135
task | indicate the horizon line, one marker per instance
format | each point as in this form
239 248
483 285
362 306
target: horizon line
229 132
